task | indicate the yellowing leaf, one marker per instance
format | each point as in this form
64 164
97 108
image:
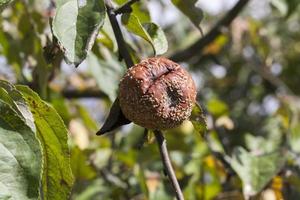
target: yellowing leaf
215 47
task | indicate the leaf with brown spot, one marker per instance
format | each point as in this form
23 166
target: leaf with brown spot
57 178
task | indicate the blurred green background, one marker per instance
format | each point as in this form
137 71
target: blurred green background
248 85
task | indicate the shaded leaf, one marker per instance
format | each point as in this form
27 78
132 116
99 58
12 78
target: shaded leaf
4 3
86 118
20 157
14 98
61 106
114 120
107 74
189 8
160 192
150 32
198 119
256 171
53 136
139 9
272 137
76 25
80 166
106 40
285 7
292 6
140 174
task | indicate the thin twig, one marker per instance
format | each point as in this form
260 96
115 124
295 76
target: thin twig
167 163
123 50
198 46
158 134
125 8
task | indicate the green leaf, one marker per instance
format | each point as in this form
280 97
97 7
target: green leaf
4 3
198 119
140 174
281 6
188 7
256 171
76 25
14 98
53 136
271 139
294 138
106 40
285 7
139 9
20 157
292 7
60 105
217 107
107 74
87 119
81 169
159 40
150 32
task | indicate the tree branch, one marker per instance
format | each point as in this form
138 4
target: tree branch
123 50
125 8
167 163
70 94
198 46
158 134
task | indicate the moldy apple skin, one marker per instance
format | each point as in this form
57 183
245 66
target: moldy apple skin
157 94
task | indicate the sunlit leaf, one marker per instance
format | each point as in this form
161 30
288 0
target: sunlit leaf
217 107
150 32
53 136
295 138
256 171
76 25
189 8
159 40
20 157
